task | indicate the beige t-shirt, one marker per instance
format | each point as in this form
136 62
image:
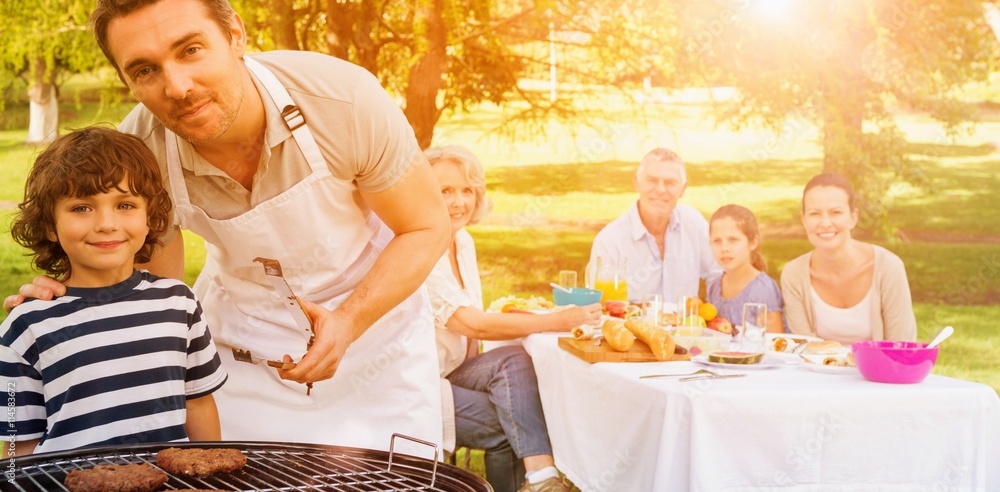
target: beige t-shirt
361 132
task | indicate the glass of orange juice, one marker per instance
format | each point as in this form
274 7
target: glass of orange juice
610 278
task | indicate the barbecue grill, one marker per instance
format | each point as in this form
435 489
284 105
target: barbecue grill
270 466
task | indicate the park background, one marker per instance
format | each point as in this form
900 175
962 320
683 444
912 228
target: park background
561 99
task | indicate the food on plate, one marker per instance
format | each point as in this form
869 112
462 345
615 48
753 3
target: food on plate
199 462
140 477
779 344
669 319
707 311
659 341
835 360
824 347
618 338
616 309
583 332
721 325
506 303
735 357
788 343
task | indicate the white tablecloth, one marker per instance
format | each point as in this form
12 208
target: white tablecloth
787 428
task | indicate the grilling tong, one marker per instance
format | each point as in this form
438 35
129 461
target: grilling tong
272 269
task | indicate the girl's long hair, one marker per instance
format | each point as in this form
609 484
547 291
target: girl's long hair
747 223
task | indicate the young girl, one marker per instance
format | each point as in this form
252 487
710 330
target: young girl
735 243
124 356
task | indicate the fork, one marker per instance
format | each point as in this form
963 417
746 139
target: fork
696 373
714 376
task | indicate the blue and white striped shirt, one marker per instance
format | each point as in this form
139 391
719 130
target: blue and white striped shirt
109 365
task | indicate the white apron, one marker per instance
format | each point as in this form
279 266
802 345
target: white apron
387 381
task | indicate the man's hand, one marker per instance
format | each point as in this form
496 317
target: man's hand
334 333
41 287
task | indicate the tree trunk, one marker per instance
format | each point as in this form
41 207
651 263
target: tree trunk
367 48
339 25
43 115
845 92
283 25
424 81
842 132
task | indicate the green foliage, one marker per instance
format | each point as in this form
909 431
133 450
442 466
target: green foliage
53 31
842 65
495 49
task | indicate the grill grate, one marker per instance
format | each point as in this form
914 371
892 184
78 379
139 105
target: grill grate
270 467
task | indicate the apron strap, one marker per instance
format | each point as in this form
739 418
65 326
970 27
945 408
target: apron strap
175 173
293 117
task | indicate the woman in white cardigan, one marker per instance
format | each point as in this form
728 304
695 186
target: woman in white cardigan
490 400
844 290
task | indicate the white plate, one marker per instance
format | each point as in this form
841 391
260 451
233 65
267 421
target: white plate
793 340
768 362
830 369
840 354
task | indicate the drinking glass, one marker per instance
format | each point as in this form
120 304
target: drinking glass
567 278
652 307
754 326
687 311
609 275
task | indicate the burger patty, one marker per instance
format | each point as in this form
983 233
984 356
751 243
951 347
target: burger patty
116 478
197 462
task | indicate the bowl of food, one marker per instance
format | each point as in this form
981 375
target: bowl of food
887 361
577 296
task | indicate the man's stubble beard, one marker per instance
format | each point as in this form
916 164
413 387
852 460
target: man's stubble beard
226 119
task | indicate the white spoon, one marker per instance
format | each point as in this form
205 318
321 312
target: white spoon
945 333
557 286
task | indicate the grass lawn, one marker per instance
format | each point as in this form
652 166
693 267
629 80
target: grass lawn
551 195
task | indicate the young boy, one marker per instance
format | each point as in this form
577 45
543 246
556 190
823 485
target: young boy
125 356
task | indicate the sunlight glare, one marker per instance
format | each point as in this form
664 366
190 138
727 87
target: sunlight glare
773 9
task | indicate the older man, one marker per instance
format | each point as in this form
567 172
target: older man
665 244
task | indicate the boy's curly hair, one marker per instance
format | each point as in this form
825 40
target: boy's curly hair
83 163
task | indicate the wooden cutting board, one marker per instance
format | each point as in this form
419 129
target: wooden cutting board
586 350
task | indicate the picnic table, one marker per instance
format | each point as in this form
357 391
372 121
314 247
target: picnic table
784 428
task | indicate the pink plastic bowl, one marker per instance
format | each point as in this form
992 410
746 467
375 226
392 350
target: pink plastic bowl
886 361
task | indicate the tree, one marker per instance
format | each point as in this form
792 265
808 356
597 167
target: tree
844 65
448 55
43 41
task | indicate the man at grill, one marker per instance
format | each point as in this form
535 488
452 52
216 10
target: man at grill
301 158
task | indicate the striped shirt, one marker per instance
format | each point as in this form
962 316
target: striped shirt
109 365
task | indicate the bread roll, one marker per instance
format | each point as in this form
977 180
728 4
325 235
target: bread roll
824 347
658 339
617 336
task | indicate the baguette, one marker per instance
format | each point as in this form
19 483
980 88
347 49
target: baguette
617 336
659 340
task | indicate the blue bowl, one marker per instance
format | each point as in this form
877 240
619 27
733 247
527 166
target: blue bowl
579 297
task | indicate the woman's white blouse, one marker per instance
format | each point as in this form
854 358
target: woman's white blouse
843 324
447 295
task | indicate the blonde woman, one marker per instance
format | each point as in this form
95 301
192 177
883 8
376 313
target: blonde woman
493 395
